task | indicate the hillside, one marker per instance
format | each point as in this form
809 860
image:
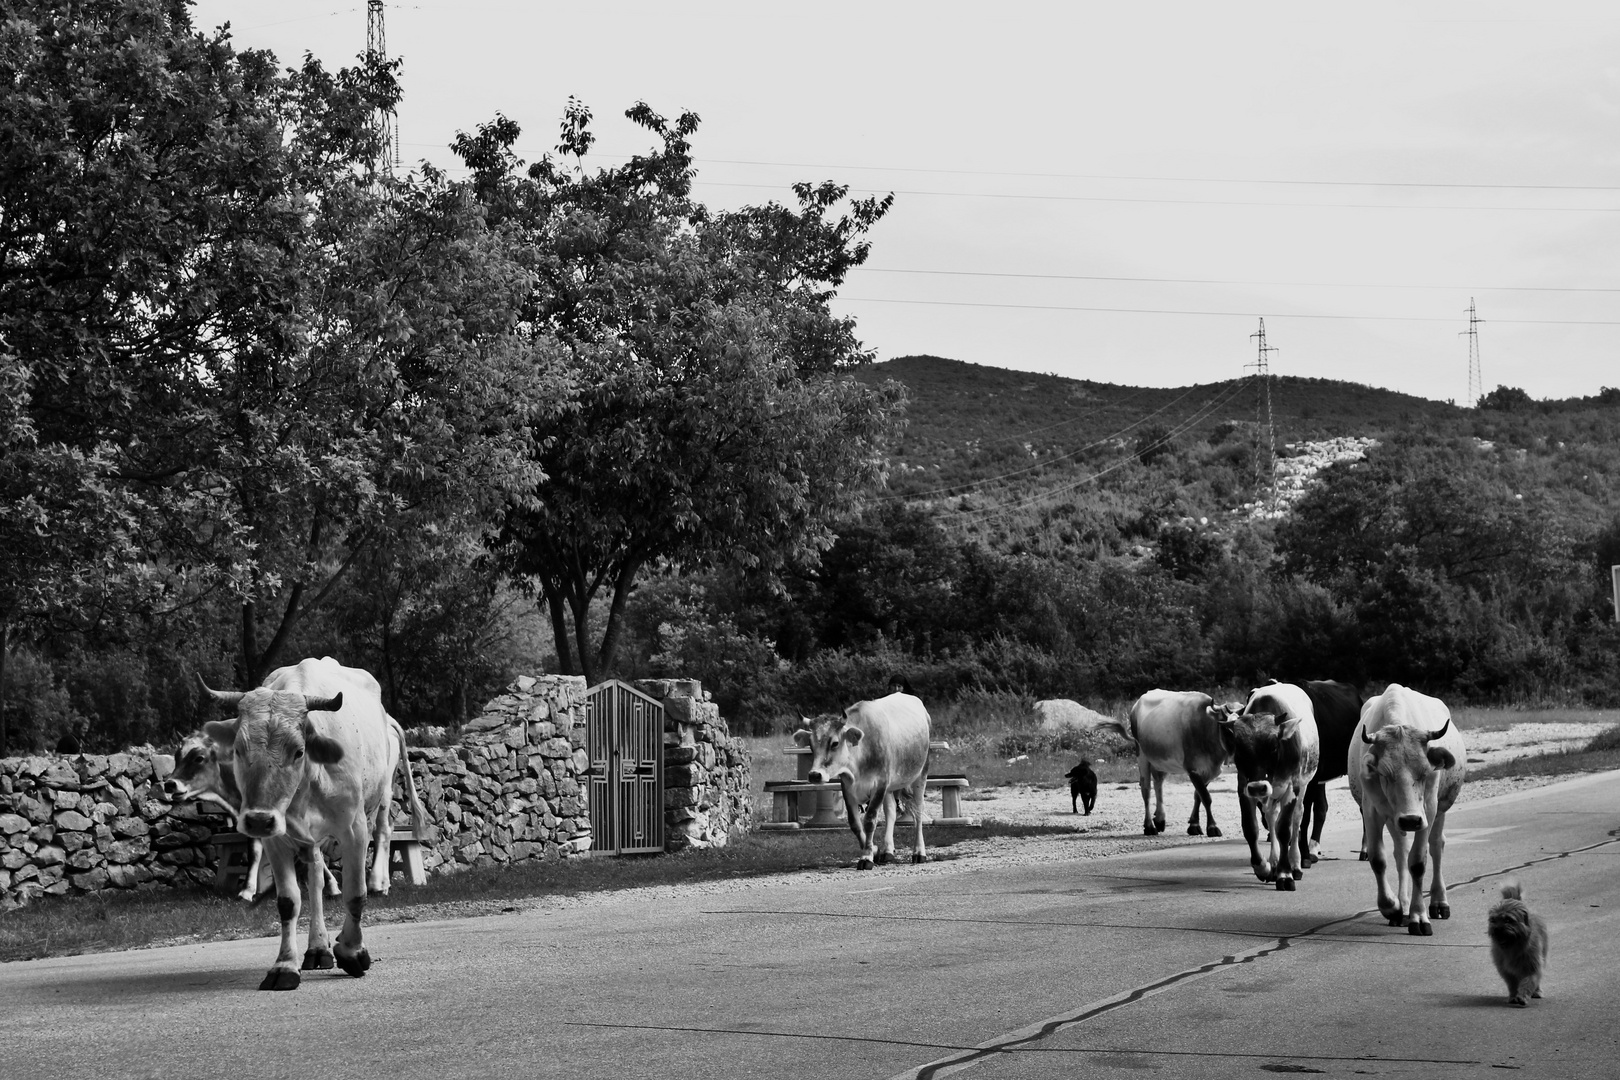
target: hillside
1041 462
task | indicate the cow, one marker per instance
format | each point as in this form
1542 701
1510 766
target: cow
1407 764
1176 731
313 754
1276 747
1082 785
1337 707
874 751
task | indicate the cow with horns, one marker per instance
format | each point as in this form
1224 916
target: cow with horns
1406 768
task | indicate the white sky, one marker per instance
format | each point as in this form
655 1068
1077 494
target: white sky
1271 157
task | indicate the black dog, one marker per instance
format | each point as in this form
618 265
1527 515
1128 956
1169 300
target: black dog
1082 785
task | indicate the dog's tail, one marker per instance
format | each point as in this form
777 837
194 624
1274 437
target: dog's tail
1511 891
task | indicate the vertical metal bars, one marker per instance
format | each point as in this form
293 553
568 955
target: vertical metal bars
624 737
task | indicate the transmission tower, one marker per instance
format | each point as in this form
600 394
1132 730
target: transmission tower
1262 417
387 125
1476 384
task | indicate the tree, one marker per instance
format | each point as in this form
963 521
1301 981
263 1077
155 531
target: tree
1506 399
714 422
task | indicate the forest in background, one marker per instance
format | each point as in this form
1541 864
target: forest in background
259 401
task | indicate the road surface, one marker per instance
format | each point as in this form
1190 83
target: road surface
1173 962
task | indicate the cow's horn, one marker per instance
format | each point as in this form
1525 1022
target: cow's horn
1366 738
1445 727
323 704
228 698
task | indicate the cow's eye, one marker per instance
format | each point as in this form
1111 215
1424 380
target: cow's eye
298 753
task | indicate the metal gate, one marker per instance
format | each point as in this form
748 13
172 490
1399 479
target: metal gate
624 738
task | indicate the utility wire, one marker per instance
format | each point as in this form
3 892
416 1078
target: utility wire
1223 281
1240 314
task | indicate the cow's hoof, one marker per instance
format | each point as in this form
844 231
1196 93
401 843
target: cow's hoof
1149 830
1361 856
1158 824
1298 874
279 978
1308 861
317 960
918 857
884 858
1440 910
1420 929
355 965
1285 884
863 863
1194 830
1518 1003
1214 830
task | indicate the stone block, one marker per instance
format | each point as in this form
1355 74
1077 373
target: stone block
130 826
49 855
581 762
65 800
178 857
125 877
677 797
679 755
13 823
50 875
85 858
73 821
76 841
12 859
162 766
127 851
556 748
42 834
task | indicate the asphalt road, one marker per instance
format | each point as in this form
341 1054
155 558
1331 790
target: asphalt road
1174 962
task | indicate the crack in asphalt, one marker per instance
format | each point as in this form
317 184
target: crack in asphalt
1017 1041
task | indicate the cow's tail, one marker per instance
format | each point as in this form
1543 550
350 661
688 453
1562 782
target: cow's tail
421 825
1115 725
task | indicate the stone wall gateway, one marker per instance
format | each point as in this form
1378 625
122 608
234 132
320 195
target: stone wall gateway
708 799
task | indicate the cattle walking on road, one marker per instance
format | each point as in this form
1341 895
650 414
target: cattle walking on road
1407 763
1337 707
1176 731
874 751
313 754
1276 747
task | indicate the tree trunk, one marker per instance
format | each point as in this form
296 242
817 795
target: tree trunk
559 630
608 657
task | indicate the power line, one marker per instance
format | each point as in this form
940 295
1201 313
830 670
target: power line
1227 281
1178 202
1223 314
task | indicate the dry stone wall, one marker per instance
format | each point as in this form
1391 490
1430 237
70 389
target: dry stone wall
513 788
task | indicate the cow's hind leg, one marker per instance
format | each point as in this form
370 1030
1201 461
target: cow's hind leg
1144 778
1201 795
283 974
1439 904
1158 800
919 854
1312 814
350 951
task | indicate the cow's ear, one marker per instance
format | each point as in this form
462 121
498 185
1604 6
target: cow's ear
223 732
852 735
802 737
1441 758
1288 728
321 750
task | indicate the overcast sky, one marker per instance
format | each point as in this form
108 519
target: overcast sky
1107 191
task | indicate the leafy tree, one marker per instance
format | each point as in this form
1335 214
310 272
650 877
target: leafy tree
714 422
1506 399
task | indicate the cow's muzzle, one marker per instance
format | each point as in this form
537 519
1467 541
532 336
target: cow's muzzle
816 776
1409 822
261 824
1259 789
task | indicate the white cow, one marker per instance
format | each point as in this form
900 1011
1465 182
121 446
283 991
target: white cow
1176 731
314 753
874 751
1407 764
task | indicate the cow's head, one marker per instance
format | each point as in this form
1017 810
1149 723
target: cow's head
834 744
196 769
271 744
1400 763
1263 747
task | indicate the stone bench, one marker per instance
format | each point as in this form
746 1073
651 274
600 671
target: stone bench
785 803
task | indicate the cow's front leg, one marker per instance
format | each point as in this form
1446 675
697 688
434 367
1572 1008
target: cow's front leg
318 955
1249 811
1439 903
1417 919
1372 842
854 814
283 974
251 888
350 951
891 810
919 854
1284 856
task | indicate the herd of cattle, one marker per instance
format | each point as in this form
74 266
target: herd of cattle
1403 755
310 757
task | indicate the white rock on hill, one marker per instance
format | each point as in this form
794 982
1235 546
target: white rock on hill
1061 714
1297 472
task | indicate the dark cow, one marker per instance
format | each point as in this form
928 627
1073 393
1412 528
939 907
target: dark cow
1082 785
1407 764
1276 748
1338 710
875 751
313 754
1176 731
